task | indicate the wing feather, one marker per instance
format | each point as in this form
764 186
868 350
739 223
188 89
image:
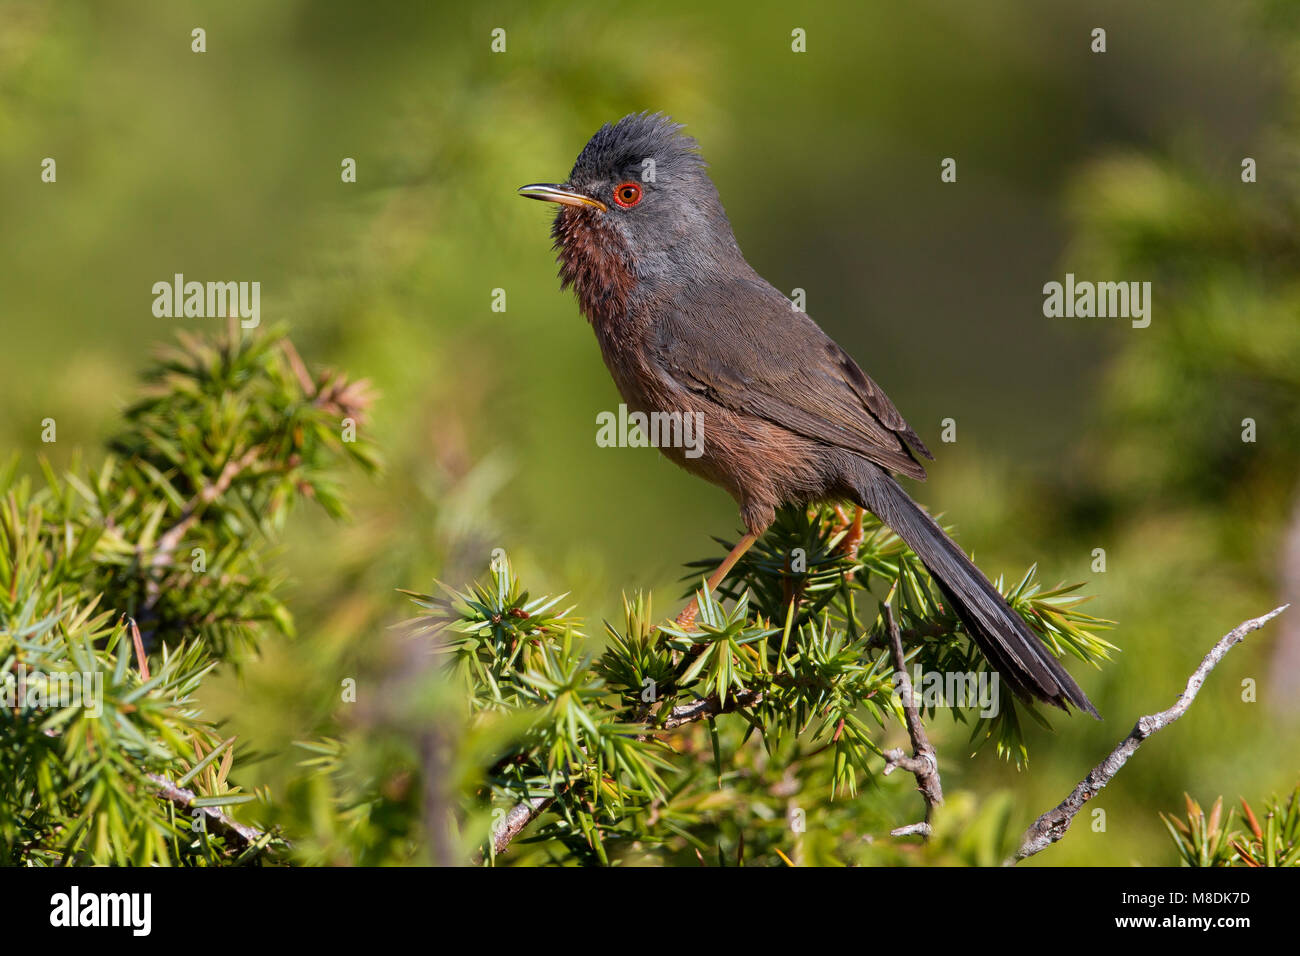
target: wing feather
758 356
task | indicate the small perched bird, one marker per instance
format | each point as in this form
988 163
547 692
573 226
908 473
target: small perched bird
685 325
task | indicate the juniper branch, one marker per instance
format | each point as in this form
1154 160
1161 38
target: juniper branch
171 539
526 811
237 833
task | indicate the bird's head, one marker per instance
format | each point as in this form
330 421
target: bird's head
637 208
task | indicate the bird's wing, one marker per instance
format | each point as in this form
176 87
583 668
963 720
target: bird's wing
758 356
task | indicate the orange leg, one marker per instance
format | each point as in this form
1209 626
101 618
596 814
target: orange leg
853 539
687 618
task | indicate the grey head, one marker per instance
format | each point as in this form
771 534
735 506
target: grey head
637 207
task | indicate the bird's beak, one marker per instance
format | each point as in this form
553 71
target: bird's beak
552 192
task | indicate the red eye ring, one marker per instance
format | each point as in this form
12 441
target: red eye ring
627 194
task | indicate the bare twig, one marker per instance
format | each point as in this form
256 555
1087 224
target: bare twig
237 833
1051 826
709 707
923 764
912 829
520 815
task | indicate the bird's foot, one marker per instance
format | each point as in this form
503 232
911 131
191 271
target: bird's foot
853 540
686 620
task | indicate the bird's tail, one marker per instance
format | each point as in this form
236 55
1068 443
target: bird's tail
1020 657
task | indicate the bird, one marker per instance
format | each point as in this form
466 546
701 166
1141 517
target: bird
686 326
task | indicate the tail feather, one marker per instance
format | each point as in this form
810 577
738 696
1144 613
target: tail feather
1019 656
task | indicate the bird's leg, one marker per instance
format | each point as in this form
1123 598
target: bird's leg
853 541
686 619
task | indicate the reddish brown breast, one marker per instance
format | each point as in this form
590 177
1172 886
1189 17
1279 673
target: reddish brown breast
595 262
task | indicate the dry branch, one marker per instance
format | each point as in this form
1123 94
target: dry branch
923 764
1051 826
238 833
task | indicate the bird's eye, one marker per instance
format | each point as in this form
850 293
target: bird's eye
627 195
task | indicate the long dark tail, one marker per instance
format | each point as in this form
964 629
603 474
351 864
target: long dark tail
1020 657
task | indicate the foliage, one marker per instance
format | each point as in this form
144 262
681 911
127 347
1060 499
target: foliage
720 742
1215 841
122 586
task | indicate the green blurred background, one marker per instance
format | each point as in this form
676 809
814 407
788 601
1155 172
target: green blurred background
1072 434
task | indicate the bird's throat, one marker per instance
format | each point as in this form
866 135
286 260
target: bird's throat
595 262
